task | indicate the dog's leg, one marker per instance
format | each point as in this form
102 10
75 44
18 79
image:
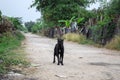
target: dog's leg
54 58
62 56
58 59
62 59
55 52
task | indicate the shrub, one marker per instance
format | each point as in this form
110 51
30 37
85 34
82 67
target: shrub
114 43
79 38
72 37
9 43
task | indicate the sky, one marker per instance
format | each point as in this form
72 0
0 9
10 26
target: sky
93 6
19 8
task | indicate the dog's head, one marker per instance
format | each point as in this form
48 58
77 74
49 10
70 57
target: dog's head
60 41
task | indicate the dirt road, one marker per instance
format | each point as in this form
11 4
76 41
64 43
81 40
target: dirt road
80 62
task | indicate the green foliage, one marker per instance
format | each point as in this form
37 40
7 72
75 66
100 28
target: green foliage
29 25
96 30
38 26
79 20
63 12
105 21
35 28
111 8
24 29
67 22
17 23
8 42
54 10
114 7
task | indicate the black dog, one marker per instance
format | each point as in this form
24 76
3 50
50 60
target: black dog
59 51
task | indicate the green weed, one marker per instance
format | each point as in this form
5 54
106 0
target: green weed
8 56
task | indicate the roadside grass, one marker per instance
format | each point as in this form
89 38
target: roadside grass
79 38
10 51
114 43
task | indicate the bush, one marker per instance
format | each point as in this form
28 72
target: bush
34 29
114 43
8 43
79 38
72 37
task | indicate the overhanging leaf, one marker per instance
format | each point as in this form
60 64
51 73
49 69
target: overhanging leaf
80 20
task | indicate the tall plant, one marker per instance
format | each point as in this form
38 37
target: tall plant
68 22
54 10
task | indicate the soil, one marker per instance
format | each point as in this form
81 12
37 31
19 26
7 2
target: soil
81 62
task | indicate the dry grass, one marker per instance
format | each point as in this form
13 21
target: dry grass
79 38
114 43
74 37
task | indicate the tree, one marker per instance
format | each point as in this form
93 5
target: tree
54 10
29 25
36 27
68 22
114 7
17 21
